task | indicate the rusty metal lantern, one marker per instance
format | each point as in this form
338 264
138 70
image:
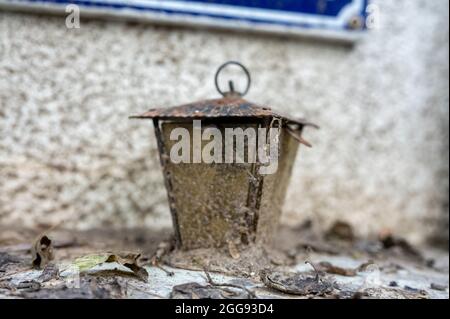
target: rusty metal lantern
213 204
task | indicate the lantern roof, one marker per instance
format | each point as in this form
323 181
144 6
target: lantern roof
230 106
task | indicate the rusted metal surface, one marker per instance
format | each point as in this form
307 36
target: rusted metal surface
209 201
163 157
273 190
227 107
215 205
230 83
225 204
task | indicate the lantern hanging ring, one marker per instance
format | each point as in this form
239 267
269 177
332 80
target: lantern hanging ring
230 83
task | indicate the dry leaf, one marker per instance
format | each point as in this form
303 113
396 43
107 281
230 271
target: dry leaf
390 241
50 272
393 293
232 249
296 283
226 286
6 259
329 268
42 251
335 270
438 287
365 266
128 260
341 230
194 290
163 248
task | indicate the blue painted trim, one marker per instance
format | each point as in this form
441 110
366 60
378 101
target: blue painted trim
285 6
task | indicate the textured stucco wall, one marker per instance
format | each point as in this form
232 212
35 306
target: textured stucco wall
68 151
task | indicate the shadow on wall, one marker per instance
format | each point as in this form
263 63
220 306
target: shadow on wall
441 235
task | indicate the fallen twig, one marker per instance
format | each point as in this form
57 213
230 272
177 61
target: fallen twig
210 281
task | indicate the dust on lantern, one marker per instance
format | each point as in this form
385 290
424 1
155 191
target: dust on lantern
227 197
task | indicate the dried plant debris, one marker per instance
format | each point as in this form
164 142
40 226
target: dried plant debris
51 271
341 230
415 290
84 291
128 260
42 251
329 268
92 288
252 260
393 284
393 293
105 288
233 250
29 286
438 287
59 293
280 258
346 294
297 283
383 293
391 268
195 290
7 259
389 241
212 290
250 294
317 246
335 270
163 249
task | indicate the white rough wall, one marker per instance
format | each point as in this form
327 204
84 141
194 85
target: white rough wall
69 152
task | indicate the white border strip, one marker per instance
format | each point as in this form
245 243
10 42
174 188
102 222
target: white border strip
185 19
352 9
